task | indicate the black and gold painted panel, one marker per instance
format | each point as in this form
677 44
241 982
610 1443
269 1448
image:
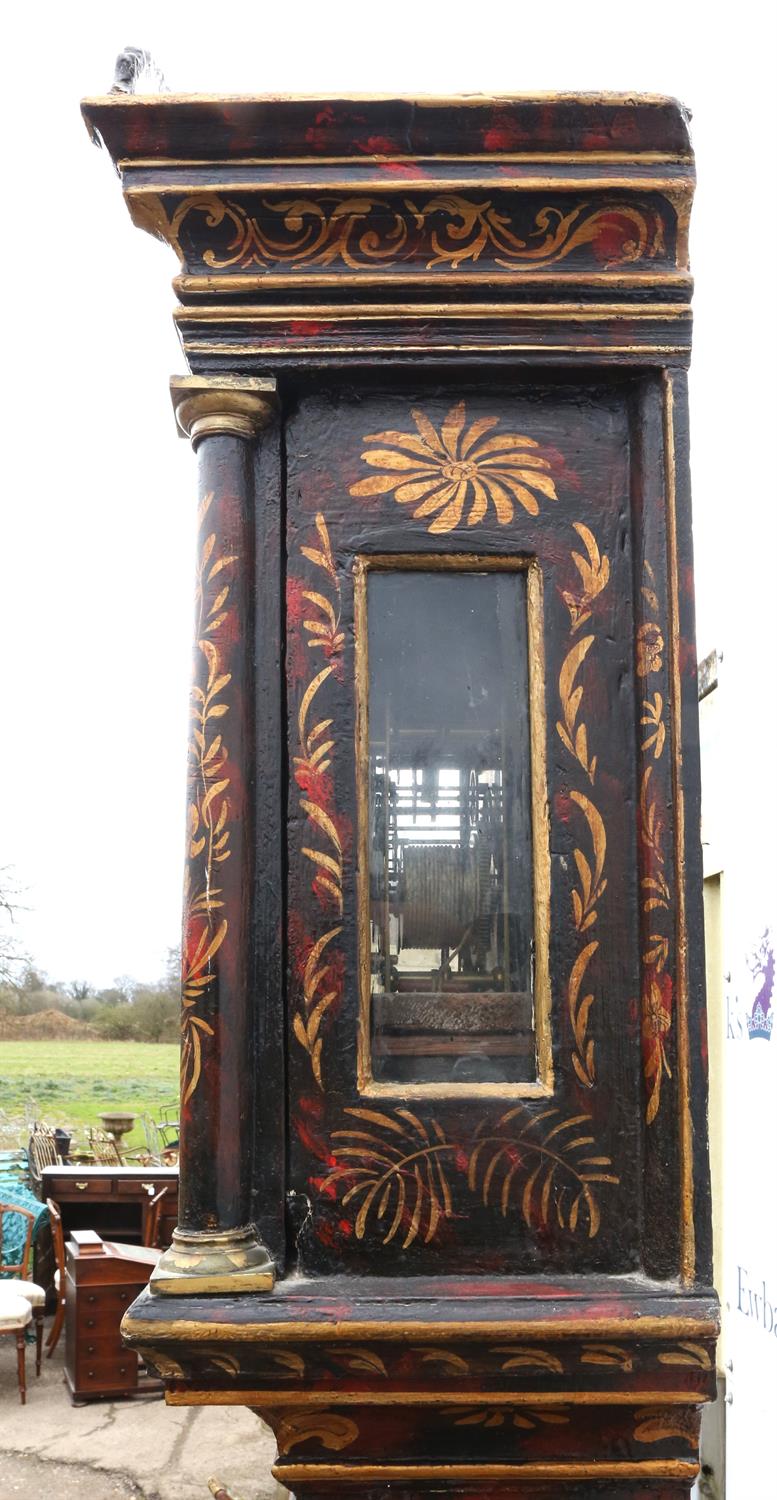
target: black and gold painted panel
477 1174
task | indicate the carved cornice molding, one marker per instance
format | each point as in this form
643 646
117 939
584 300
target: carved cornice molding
408 207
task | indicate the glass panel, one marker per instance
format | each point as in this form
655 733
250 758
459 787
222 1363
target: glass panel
449 828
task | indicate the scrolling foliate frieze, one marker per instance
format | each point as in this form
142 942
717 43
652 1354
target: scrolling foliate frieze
444 232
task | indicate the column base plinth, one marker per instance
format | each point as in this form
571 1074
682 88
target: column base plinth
230 1260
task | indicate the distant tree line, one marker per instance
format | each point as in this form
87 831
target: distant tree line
128 1010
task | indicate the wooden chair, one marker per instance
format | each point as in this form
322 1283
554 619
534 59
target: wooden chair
104 1149
58 1241
153 1217
16 1273
15 1314
41 1152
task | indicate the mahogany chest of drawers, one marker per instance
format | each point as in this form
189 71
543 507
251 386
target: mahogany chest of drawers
101 1281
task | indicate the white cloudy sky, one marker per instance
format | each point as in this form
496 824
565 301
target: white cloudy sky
98 494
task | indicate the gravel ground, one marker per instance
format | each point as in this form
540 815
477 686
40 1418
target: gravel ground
138 1449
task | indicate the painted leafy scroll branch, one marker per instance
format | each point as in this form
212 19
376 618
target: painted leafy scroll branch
205 926
584 909
316 743
396 1169
656 896
318 993
594 574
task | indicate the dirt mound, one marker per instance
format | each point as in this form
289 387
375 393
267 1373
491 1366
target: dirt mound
46 1025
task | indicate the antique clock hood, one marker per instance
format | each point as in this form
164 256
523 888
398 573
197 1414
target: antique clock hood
444 1214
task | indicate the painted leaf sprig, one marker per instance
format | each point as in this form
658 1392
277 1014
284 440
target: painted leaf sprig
652 719
209 805
318 994
574 735
323 845
656 981
546 1164
585 899
316 741
456 473
594 573
392 1166
324 632
591 876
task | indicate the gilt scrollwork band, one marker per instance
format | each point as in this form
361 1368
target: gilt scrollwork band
444 231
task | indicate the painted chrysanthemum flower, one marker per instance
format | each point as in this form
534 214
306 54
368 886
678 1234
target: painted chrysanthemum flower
443 473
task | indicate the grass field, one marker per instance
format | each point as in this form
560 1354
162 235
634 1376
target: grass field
69 1083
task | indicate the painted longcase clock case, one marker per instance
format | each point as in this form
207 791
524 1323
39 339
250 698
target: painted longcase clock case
444 1215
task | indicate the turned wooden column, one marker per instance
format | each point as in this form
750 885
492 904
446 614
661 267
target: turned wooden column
216 1246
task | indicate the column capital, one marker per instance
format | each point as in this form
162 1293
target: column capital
218 405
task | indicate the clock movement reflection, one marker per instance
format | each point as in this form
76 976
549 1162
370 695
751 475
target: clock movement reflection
450 840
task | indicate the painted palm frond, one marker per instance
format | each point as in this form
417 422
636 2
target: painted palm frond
545 1165
391 1168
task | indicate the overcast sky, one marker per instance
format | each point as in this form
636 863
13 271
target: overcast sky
99 494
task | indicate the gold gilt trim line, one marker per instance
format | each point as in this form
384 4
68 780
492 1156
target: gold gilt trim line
404 274
687 1227
594 349
335 1397
165 103
195 1331
679 188
386 311
548 158
356 1473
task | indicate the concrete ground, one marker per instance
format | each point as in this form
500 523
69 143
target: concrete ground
123 1450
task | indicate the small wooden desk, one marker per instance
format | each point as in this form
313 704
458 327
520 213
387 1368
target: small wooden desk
101 1280
113 1201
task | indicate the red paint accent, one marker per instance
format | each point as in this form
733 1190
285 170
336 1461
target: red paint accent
498 138
317 135
596 140
318 786
612 233
302 328
623 129
563 806
404 169
379 145
313 1144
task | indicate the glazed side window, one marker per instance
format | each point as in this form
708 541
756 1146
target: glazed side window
450 986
